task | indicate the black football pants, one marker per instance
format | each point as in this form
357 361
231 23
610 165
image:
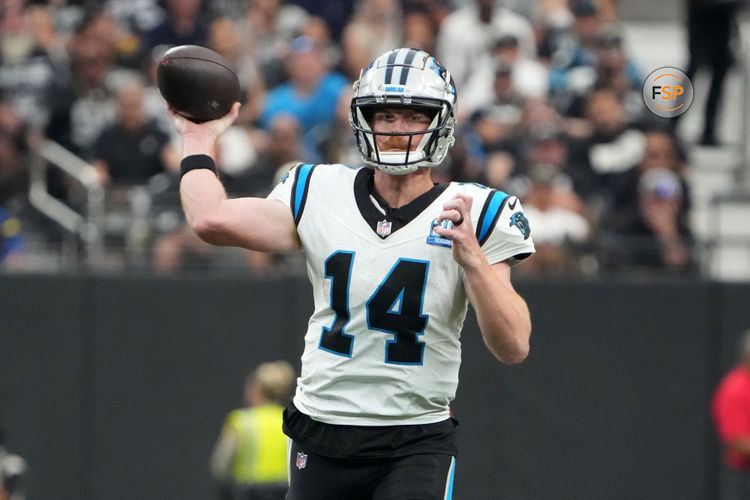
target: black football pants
413 477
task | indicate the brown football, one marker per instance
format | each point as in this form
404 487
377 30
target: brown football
197 82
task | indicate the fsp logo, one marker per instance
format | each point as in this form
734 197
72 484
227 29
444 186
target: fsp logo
667 92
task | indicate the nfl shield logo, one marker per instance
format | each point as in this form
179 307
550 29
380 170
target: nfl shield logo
301 460
384 228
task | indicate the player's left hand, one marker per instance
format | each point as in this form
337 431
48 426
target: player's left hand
466 249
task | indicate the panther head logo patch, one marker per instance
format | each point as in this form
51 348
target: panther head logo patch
519 220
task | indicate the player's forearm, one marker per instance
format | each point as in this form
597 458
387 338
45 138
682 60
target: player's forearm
502 315
202 194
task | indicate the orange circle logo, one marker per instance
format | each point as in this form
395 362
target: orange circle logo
667 92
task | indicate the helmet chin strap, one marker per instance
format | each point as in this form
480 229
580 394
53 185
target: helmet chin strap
394 162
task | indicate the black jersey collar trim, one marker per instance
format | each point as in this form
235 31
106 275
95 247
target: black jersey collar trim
364 187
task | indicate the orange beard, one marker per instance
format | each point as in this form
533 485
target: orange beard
396 143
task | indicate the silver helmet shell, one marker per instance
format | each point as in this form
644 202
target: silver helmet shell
411 78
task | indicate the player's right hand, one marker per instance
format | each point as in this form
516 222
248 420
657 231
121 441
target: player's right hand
200 138
213 128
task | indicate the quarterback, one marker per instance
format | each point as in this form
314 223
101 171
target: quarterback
394 259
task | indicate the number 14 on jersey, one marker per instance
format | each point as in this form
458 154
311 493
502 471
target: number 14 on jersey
394 308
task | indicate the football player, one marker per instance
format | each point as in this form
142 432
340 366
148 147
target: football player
393 259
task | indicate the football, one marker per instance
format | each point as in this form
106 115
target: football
197 82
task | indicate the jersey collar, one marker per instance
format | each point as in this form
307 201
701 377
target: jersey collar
364 189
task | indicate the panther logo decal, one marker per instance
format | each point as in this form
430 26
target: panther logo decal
440 70
519 220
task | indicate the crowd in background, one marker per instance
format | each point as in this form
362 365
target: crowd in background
549 109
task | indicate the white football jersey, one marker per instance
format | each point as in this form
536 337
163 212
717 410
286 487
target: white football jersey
382 346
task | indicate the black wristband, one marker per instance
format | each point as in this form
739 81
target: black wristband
194 162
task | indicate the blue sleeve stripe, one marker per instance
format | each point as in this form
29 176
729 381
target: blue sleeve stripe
300 188
489 215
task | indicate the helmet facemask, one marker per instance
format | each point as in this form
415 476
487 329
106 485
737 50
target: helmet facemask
427 91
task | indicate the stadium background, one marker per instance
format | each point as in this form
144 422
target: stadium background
115 378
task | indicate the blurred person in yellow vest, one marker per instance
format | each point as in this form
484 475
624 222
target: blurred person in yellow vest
249 460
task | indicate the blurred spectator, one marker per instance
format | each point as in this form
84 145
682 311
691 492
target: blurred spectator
12 470
544 144
82 106
618 73
552 24
374 29
136 16
710 24
499 129
505 71
572 56
133 149
244 161
223 37
127 49
340 145
650 210
611 148
286 143
420 30
560 231
662 150
183 25
336 13
486 142
608 68
730 408
312 91
249 460
16 40
267 29
30 59
130 156
656 236
467 34
317 29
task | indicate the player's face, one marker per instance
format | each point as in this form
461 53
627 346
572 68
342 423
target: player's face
399 120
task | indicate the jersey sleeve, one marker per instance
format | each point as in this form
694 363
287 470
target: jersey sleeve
503 230
293 188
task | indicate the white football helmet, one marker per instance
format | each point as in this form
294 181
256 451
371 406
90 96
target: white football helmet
414 79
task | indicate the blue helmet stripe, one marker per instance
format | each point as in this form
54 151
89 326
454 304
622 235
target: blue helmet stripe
407 66
389 66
